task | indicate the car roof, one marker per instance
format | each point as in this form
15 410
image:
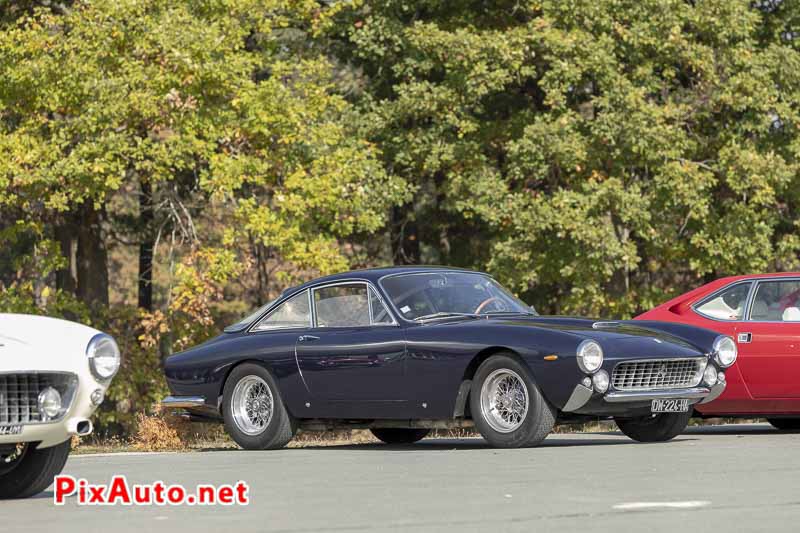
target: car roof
730 279
693 296
374 274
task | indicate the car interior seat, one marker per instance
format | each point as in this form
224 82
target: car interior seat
760 311
791 314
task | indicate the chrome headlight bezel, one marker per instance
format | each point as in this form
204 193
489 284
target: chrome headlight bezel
719 347
581 353
104 357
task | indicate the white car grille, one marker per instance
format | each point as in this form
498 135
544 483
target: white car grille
19 395
658 374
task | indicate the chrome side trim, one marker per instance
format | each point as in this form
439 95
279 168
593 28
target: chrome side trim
694 393
182 402
580 395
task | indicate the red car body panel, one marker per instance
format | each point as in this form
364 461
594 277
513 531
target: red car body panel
765 380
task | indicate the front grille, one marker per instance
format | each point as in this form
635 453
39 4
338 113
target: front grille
19 395
657 374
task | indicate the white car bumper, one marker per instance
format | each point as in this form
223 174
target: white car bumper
74 422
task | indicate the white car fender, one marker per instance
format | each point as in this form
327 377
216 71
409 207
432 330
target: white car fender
31 343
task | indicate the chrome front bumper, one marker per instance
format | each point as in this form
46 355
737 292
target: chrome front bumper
182 402
695 393
582 395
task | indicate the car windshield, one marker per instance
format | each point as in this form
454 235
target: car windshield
246 321
421 296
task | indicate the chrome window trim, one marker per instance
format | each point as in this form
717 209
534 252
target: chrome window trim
756 283
253 327
436 271
369 286
747 301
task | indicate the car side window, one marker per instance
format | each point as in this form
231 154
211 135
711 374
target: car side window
728 304
339 306
293 313
777 301
380 315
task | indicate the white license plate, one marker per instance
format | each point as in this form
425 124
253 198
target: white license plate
670 406
10 430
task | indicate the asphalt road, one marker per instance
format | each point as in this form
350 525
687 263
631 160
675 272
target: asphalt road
726 478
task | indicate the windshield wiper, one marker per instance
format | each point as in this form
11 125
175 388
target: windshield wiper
446 314
527 313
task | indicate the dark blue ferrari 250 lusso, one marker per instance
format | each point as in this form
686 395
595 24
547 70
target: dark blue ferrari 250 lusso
406 349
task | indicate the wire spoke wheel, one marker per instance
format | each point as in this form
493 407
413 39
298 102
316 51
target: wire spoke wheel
504 400
252 405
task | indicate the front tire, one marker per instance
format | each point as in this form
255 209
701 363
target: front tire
785 424
254 413
507 407
33 471
400 435
659 428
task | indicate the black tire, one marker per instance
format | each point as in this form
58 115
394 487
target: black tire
400 435
785 424
34 471
539 418
281 427
659 428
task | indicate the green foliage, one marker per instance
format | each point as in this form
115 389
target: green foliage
597 156
611 153
225 109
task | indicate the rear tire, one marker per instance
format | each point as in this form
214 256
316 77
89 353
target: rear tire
658 428
400 435
507 407
785 424
253 410
34 471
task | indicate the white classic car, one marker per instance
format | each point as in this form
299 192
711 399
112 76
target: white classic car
53 375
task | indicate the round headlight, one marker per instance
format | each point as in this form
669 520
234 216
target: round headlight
710 375
104 358
590 356
49 403
725 351
600 381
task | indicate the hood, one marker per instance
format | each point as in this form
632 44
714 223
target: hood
626 336
30 342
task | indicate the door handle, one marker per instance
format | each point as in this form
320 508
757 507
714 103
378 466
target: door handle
744 337
307 338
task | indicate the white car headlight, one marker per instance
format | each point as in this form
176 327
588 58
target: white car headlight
590 356
50 403
725 351
104 357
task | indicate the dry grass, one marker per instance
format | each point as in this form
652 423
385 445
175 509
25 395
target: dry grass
165 432
158 433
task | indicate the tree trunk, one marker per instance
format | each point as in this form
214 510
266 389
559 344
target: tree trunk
67 237
146 245
405 236
91 257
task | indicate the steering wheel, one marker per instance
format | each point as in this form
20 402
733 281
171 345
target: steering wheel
486 302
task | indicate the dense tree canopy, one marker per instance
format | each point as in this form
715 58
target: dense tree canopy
165 166
598 156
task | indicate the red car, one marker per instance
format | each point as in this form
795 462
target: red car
762 313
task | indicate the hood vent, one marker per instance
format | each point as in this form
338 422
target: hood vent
601 325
